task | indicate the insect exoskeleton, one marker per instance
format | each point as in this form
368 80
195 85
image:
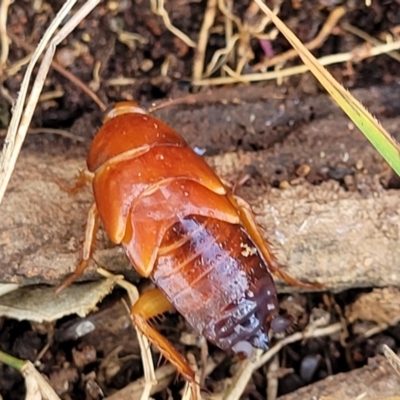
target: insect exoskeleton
184 229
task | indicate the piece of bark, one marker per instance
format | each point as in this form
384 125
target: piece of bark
377 380
322 232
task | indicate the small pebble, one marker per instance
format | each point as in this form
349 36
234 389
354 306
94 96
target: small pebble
308 367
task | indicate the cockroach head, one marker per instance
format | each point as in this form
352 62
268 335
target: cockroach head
123 107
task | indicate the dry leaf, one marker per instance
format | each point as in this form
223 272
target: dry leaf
39 303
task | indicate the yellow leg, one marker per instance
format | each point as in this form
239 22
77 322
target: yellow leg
247 218
149 305
92 227
84 178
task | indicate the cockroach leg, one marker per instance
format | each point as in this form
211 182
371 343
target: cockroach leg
277 270
247 218
83 178
92 227
250 224
240 181
149 305
236 184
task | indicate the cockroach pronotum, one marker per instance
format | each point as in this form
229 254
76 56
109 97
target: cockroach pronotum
183 228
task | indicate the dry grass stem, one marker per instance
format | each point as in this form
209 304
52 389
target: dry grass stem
67 74
228 22
237 51
318 332
16 67
360 54
164 375
200 53
392 357
272 378
6 95
20 121
51 95
4 39
242 377
52 131
157 7
148 366
120 81
221 56
36 385
369 39
315 43
17 129
149 373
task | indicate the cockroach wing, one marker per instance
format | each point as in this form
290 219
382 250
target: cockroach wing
125 181
153 214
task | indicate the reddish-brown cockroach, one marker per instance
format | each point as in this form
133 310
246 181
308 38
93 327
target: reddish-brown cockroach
184 229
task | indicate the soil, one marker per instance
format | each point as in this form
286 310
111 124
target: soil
287 128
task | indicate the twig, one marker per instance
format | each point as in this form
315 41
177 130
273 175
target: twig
315 43
67 74
221 56
272 379
363 35
4 40
36 385
52 131
50 95
157 7
6 95
120 81
14 68
241 379
149 373
327 60
228 24
392 357
164 375
199 56
20 122
34 380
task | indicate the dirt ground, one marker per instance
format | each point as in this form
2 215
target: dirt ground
285 134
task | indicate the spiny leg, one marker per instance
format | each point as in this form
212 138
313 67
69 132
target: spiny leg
238 182
92 227
151 304
247 218
84 178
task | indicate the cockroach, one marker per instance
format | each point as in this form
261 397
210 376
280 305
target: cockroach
183 228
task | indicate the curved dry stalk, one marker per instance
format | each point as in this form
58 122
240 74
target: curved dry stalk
200 54
4 40
157 7
315 43
392 357
229 15
20 121
52 131
220 57
353 56
237 45
363 35
64 72
242 377
148 366
14 68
